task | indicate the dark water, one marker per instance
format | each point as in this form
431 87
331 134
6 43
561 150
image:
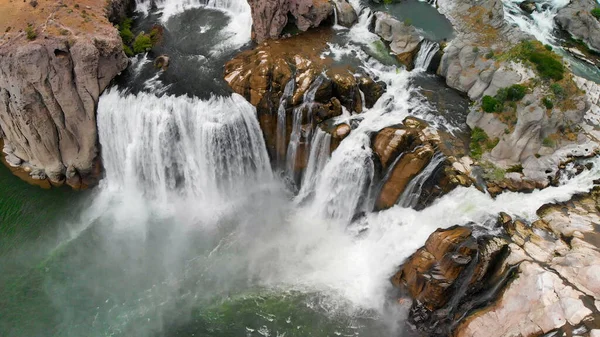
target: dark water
191 41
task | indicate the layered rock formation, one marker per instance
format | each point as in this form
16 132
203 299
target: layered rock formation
539 278
269 18
404 151
52 71
288 81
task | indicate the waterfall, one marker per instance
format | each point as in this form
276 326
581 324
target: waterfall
426 53
238 29
540 23
318 158
309 97
412 192
166 145
281 121
343 186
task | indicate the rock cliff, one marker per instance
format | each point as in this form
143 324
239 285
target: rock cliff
56 58
269 18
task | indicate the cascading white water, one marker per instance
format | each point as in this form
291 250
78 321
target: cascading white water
168 145
412 192
540 23
318 158
343 187
281 121
425 56
238 30
308 99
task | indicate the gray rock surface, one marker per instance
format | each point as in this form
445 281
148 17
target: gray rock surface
49 90
404 40
577 20
345 13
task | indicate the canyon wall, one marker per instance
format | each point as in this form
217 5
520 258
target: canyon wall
55 61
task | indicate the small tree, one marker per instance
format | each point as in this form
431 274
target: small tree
31 35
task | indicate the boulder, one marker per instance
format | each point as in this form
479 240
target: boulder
345 13
528 6
404 40
576 18
407 167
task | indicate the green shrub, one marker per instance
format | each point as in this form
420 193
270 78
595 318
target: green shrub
489 55
547 65
558 90
515 168
490 104
476 49
547 103
407 22
127 50
548 47
478 137
548 142
596 13
31 35
142 43
516 92
125 31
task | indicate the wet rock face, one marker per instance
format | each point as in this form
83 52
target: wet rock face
49 90
285 78
537 278
576 18
270 17
404 151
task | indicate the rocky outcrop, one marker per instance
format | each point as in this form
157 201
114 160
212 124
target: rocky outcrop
538 278
345 14
404 151
576 18
404 39
50 82
287 79
269 18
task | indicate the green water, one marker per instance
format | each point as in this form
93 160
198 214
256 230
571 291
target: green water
60 278
422 15
29 231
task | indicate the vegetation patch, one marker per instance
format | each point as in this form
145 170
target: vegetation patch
30 31
480 142
514 93
142 42
596 13
515 168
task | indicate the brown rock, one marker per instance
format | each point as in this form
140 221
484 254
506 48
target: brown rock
409 165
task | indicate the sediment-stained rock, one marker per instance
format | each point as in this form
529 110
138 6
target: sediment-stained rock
50 82
404 151
288 78
554 287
